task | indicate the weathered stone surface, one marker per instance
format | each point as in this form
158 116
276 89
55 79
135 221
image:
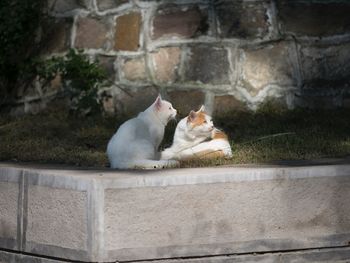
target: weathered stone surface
240 19
207 65
127 34
57 38
184 213
103 5
61 6
107 63
272 214
134 69
271 64
9 193
11 257
185 101
314 19
334 255
137 100
226 104
56 217
91 33
166 62
172 21
326 66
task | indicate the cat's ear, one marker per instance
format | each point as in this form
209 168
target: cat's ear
202 109
191 116
158 102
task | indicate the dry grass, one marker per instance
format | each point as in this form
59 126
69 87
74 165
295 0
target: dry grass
268 135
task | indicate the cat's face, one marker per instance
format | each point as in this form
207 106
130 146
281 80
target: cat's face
200 123
164 110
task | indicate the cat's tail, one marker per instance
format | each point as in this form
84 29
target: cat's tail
145 164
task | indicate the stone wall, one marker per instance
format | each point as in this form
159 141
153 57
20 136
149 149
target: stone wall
226 54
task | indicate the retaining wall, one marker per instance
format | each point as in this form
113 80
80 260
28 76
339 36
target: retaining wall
228 55
110 216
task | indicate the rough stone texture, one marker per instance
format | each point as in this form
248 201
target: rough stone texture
137 100
58 37
56 217
134 69
326 66
281 214
109 4
226 104
8 257
314 19
8 214
270 65
185 101
240 19
61 6
184 213
335 255
107 63
127 34
208 65
172 21
91 33
166 62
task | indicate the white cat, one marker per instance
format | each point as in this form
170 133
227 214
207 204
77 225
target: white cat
136 142
190 139
190 131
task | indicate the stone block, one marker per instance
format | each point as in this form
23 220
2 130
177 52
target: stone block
225 104
134 69
62 6
297 208
185 101
242 19
57 39
303 18
175 22
166 62
135 100
269 65
57 219
103 5
12 257
208 65
91 33
9 193
107 64
10 208
127 32
326 66
115 216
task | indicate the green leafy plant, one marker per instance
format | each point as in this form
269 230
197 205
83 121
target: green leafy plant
81 79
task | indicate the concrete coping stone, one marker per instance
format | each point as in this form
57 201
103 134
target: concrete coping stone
50 174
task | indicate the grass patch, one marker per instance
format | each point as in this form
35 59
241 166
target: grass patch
268 135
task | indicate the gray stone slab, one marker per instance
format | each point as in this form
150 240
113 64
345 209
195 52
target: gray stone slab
9 205
334 255
8 257
108 216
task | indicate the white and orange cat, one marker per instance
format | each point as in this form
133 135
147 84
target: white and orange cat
190 139
218 146
135 144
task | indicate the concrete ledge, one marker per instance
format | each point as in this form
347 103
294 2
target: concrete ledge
108 216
